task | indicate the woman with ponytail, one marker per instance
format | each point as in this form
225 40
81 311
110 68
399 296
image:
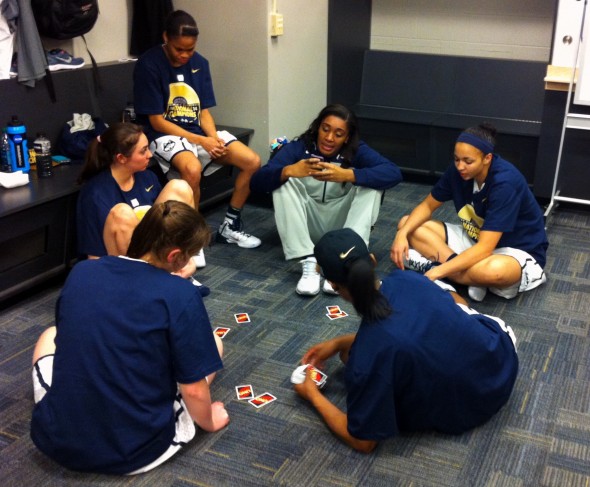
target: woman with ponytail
124 374
117 190
420 360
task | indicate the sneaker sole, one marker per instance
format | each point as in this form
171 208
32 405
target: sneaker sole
221 239
58 67
307 293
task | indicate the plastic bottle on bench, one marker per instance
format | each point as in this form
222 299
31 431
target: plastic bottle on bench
17 140
5 165
42 147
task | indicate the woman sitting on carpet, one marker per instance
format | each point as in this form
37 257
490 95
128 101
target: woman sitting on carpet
126 370
324 180
420 360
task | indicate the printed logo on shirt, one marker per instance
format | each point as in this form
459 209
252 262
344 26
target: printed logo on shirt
149 188
471 222
184 105
195 70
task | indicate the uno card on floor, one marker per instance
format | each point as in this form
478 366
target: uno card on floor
334 312
262 400
244 392
333 309
221 331
242 318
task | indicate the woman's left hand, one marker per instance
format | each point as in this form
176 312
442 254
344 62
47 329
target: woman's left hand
334 173
307 388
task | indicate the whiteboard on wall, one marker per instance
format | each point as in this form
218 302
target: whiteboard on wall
582 94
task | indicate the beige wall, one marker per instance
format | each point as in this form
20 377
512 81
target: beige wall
511 29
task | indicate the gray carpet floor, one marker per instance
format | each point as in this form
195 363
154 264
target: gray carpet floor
540 438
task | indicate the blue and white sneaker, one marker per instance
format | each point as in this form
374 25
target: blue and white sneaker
58 59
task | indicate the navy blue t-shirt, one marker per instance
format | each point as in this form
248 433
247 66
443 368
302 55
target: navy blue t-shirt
504 204
177 93
127 333
428 366
97 198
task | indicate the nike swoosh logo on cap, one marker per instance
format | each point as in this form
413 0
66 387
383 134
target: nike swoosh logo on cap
344 255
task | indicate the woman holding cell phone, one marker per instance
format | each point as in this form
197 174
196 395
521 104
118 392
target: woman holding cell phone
324 180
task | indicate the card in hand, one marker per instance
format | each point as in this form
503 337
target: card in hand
242 318
262 400
221 331
244 392
317 375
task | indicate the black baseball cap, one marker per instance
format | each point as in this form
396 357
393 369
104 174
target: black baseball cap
337 250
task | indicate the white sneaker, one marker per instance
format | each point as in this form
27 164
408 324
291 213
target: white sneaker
200 259
309 284
477 293
416 262
328 289
226 234
445 286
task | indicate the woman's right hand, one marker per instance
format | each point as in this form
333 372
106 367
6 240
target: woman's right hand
302 168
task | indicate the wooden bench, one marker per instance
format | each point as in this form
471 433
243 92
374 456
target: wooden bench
412 106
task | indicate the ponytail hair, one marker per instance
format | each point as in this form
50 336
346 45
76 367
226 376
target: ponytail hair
166 226
119 138
367 300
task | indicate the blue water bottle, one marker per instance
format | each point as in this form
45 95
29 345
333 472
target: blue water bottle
17 139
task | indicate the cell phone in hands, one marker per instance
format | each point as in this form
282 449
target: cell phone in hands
315 156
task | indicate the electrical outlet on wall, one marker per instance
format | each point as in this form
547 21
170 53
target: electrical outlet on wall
276 24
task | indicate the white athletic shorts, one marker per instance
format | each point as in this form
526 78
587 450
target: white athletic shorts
166 147
501 323
185 427
532 274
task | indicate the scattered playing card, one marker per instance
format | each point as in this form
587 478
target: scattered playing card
335 316
244 392
242 318
333 309
262 400
221 331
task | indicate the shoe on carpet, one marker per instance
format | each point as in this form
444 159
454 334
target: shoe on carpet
200 259
203 290
416 262
445 286
309 283
328 289
58 59
477 293
226 234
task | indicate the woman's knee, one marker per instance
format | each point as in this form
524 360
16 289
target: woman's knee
179 190
121 215
45 344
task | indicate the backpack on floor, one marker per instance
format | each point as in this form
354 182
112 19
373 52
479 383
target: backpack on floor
64 19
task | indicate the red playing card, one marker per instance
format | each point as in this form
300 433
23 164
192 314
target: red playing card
244 392
242 318
262 400
221 331
317 375
335 316
333 309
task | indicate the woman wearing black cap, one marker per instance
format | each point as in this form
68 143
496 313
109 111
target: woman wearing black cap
420 360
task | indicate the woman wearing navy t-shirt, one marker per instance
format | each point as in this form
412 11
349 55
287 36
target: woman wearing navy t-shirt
420 360
500 243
